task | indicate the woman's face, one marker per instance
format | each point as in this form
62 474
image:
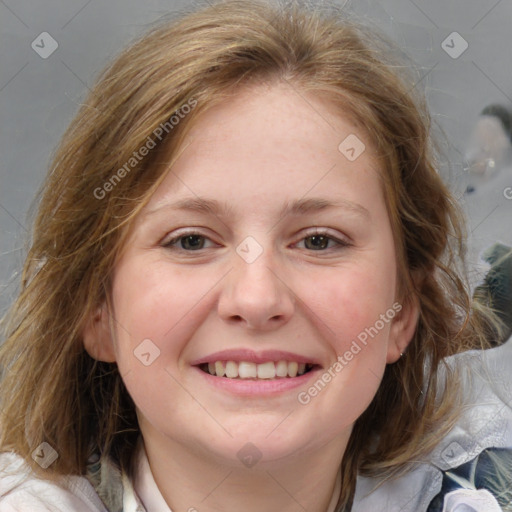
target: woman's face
267 245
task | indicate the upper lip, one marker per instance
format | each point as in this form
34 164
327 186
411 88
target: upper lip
251 356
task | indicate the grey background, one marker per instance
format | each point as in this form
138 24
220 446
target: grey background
38 97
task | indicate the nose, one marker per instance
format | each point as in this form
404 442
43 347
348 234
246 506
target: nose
255 295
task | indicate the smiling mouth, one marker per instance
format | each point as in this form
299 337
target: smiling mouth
244 370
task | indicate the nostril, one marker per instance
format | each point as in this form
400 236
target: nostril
470 189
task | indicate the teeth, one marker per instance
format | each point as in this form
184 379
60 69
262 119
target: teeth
246 370
231 370
282 369
219 369
266 370
292 369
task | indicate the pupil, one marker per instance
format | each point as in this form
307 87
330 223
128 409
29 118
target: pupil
318 241
191 242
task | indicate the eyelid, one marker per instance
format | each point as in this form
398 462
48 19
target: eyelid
320 231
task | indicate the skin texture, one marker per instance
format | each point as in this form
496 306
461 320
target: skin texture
263 148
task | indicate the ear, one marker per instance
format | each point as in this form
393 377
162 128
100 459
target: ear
97 336
402 329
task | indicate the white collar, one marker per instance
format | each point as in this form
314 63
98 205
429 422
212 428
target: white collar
145 485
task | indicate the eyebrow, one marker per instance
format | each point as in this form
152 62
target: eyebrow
298 207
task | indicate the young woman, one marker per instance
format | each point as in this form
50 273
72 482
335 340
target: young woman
242 288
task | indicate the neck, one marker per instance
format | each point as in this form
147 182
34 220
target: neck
187 481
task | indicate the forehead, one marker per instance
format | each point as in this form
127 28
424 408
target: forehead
270 139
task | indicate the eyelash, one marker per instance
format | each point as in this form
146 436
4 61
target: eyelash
341 244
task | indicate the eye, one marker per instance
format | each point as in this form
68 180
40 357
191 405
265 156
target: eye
190 241
319 240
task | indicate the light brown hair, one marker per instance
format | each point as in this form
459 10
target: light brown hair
53 391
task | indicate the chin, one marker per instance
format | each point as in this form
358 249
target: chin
257 448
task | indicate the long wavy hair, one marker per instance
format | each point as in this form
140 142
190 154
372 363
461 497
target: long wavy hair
53 391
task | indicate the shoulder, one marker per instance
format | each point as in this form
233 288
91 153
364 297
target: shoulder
21 490
473 463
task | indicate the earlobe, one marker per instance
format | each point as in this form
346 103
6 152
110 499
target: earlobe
97 336
402 329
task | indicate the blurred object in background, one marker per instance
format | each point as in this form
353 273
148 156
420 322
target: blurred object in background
487 187
496 289
490 146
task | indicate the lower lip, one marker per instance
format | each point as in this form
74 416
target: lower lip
248 387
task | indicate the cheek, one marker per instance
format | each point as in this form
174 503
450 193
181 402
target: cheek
356 306
154 304
157 309
347 310
351 300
